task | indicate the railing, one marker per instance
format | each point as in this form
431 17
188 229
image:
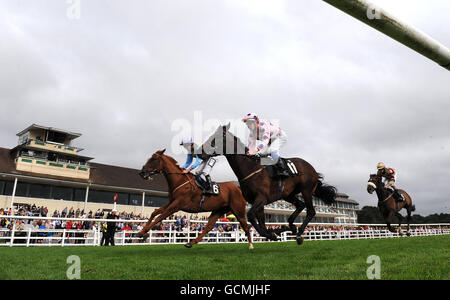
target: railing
93 237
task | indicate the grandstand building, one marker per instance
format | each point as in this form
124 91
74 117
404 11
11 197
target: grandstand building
343 211
46 169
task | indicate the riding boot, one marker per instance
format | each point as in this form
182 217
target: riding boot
208 184
281 167
398 196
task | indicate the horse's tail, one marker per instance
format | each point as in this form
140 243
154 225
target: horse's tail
325 192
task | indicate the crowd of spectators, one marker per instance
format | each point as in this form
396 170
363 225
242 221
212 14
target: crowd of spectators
180 224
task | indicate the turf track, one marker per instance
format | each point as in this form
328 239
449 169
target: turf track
403 258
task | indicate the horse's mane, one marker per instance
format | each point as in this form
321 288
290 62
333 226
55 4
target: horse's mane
238 142
172 160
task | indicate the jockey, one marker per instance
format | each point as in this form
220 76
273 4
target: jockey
203 167
271 138
389 175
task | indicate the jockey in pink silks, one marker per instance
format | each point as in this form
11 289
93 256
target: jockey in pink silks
265 138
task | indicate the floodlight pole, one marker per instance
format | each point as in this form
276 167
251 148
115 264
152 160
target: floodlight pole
378 18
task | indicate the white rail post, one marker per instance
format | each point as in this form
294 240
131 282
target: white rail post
381 20
28 237
13 232
63 238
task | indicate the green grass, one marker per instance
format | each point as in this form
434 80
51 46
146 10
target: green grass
404 258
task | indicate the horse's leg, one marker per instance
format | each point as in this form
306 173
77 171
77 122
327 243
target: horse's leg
215 215
408 220
270 234
299 206
310 213
258 205
157 212
400 218
238 209
389 221
171 209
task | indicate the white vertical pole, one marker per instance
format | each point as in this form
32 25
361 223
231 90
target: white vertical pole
13 232
143 201
13 196
86 198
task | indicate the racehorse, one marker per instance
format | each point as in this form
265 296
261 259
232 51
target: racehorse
387 205
260 189
185 195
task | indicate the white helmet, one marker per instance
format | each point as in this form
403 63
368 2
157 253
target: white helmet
187 141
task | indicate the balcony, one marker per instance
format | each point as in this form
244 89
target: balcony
53 168
53 147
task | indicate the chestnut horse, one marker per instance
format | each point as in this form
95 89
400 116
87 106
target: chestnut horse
388 206
260 189
185 195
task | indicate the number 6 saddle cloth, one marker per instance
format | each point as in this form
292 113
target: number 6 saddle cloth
208 189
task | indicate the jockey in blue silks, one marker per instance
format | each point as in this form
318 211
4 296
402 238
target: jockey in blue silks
203 168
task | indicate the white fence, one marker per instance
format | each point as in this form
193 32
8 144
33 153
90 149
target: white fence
65 237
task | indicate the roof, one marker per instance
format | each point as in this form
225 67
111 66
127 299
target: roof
71 135
101 174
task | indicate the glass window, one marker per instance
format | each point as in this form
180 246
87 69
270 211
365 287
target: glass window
122 198
2 187
62 193
155 201
22 189
79 195
39 191
9 186
101 196
135 199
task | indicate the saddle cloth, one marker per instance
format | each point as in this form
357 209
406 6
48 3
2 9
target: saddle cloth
285 168
214 189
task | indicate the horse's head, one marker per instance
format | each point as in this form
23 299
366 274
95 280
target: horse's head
222 142
153 166
372 183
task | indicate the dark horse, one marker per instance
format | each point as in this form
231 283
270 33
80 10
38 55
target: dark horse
260 189
388 205
186 196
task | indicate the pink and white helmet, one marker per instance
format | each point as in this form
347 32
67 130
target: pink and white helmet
250 116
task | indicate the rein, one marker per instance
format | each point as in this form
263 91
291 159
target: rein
251 174
186 182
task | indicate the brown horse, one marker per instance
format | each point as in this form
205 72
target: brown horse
387 205
260 189
186 196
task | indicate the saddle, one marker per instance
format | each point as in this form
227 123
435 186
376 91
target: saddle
398 197
208 189
283 168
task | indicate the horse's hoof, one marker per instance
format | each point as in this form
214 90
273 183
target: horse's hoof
299 240
188 245
250 247
273 237
144 236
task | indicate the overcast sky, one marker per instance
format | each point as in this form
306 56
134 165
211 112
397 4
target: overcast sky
125 73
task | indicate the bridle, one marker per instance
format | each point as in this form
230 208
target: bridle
147 175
